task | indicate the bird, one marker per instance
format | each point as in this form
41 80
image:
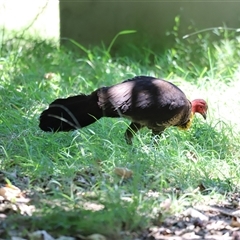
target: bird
144 100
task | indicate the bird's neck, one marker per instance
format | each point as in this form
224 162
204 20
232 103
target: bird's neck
194 107
188 124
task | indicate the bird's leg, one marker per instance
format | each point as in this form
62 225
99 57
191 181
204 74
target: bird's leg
131 130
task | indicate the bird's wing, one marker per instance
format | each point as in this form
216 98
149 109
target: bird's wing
115 100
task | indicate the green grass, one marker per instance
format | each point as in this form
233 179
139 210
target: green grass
70 176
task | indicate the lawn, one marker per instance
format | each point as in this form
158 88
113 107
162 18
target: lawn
65 184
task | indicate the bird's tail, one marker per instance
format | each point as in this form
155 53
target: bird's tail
71 113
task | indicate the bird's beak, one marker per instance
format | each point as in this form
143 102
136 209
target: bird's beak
204 114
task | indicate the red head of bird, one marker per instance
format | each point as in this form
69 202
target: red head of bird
200 106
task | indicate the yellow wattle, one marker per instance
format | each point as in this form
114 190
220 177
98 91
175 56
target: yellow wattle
188 124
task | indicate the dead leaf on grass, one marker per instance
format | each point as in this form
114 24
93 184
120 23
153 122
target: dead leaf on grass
123 172
235 222
195 214
10 192
26 209
93 206
13 199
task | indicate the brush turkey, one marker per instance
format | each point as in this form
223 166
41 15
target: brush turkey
145 101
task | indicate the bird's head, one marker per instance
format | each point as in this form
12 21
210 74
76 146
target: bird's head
200 106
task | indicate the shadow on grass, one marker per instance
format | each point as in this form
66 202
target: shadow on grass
112 221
